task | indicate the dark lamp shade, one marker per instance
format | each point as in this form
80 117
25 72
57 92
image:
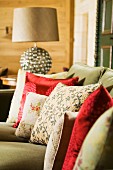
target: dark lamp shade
35 24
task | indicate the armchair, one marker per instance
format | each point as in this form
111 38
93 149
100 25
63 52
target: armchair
5 101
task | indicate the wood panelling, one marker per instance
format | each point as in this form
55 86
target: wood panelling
61 51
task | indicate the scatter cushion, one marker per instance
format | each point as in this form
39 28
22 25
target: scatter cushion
65 81
58 141
33 104
43 83
87 73
15 103
63 98
94 106
29 87
97 150
39 85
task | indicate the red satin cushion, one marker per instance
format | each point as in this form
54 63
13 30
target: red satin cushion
43 83
67 82
40 85
95 105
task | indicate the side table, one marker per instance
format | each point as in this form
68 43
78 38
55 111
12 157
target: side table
9 80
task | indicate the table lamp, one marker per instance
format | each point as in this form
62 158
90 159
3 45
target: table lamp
35 24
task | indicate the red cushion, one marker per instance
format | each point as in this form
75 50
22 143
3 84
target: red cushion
40 85
43 83
96 104
67 82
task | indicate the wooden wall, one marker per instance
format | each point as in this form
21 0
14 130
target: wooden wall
61 51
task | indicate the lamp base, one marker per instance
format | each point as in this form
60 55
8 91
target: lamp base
36 60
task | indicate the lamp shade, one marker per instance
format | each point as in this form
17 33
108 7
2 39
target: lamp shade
35 24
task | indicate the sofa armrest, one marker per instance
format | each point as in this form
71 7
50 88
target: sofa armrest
5 101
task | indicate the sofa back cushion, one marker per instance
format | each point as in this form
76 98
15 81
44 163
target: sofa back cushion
107 80
88 74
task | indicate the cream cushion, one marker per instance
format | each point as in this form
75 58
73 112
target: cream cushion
15 103
63 98
33 104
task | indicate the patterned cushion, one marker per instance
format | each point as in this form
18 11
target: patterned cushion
97 103
65 81
61 99
39 85
29 87
31 111
58 141
97 149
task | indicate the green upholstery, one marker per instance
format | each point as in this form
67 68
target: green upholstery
107 78
111 92
7 133
16 153
21 156
89 74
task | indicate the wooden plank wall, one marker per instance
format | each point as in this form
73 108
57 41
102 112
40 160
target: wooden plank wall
61 51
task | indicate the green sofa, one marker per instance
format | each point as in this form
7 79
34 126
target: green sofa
17 153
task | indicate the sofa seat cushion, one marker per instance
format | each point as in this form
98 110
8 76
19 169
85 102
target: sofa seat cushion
7 133
21 156
87 74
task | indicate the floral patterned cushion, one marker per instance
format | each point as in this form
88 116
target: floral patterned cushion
93 107
29 87
63 98
33 104
58 141
97 150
